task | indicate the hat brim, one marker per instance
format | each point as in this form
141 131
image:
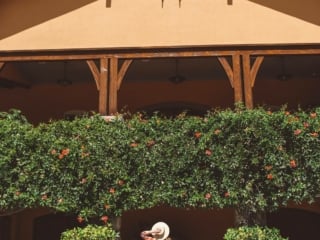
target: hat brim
165 230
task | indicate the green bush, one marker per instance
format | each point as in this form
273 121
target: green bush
253 233
257 159
90 232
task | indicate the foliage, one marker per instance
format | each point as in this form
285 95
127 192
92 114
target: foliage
90 232
242 158
253 233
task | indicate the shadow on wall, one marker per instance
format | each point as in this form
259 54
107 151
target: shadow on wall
16 15
305 10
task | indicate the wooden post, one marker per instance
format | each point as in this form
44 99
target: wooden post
249 75
103 86
237 83
113 88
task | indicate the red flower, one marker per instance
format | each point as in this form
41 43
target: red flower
314 134
208 152
120 182
80 219
218 131
150 143
297 132
104 219
197 134
44 197
227 194
268 167
269 176
61 156
207 196
134 144
305 124
313 115
287 113
83 181
112 190
293 163
53 151
65 152
107 206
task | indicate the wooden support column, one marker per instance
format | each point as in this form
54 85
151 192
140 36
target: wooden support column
234 75
250 74
113 87
103 86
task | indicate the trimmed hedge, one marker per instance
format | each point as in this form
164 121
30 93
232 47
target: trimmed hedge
230 158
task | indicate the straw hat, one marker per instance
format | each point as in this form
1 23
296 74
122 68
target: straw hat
164 230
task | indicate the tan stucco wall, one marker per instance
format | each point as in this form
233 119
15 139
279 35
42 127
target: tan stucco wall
48 24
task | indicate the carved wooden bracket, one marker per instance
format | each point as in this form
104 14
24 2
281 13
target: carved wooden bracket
234 75
125 65
227 68
95 72
1 65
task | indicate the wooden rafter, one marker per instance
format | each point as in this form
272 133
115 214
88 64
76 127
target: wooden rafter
125 65
95 72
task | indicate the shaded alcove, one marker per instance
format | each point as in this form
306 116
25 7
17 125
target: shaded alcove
296 224
51 226
185 224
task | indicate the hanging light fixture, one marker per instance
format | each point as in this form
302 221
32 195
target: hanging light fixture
64 81
283 76
177 78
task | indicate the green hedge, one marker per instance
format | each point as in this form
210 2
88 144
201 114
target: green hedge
253 233
252 158
90 232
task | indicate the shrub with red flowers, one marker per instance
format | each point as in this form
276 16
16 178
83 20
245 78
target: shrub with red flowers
254 160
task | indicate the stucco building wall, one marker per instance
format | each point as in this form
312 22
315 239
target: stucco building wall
143 23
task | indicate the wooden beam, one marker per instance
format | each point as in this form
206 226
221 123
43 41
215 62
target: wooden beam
113 88
103 86
95 72
255 68
237 83
227 68
125 65
302 51
174 53
132 53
